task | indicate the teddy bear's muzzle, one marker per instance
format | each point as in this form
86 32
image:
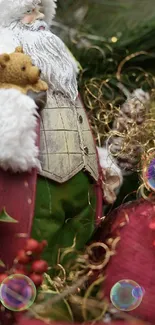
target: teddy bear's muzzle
34 75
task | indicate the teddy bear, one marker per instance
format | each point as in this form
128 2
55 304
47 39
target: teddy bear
17 71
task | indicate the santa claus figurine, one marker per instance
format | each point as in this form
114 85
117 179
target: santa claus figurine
69 196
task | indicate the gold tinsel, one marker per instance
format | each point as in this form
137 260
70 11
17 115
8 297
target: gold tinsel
74 285
70 285
104 102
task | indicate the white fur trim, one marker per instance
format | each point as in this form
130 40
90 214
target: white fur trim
18 121
108 162
49 10
8 41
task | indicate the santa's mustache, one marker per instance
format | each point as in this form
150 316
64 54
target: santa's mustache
35 26
50 54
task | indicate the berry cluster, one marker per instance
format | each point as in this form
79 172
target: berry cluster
28 262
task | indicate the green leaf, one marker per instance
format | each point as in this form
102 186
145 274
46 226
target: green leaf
4 217
2 264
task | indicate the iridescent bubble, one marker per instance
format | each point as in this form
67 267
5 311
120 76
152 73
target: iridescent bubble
138 292
126 295
150 174
17 292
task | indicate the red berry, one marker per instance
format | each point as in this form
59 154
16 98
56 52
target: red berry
3 277
19 271
37 279
44 243
22 267
33 246
22 257
39 266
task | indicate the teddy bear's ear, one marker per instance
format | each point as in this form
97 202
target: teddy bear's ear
4 58
19 49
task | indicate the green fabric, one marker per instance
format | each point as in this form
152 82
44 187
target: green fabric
63 212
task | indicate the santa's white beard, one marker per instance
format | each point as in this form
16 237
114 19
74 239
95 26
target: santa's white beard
50 55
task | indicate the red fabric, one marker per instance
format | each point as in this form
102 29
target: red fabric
38 322
14 196
17 196
135 254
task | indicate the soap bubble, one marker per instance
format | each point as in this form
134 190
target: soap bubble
151 183
126 295
138 292
17 292
149 174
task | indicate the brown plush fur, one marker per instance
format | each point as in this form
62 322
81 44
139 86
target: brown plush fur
17 71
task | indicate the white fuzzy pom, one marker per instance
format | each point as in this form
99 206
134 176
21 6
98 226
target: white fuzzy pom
108 163
142 95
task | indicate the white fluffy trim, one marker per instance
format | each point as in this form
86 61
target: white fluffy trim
18 120
107 162
49 10
8 42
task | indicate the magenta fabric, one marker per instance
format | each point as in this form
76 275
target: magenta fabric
17 196
38 322
135 254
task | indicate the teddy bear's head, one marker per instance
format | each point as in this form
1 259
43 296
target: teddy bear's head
17 68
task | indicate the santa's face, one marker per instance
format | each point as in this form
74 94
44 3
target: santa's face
33 19
32 15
